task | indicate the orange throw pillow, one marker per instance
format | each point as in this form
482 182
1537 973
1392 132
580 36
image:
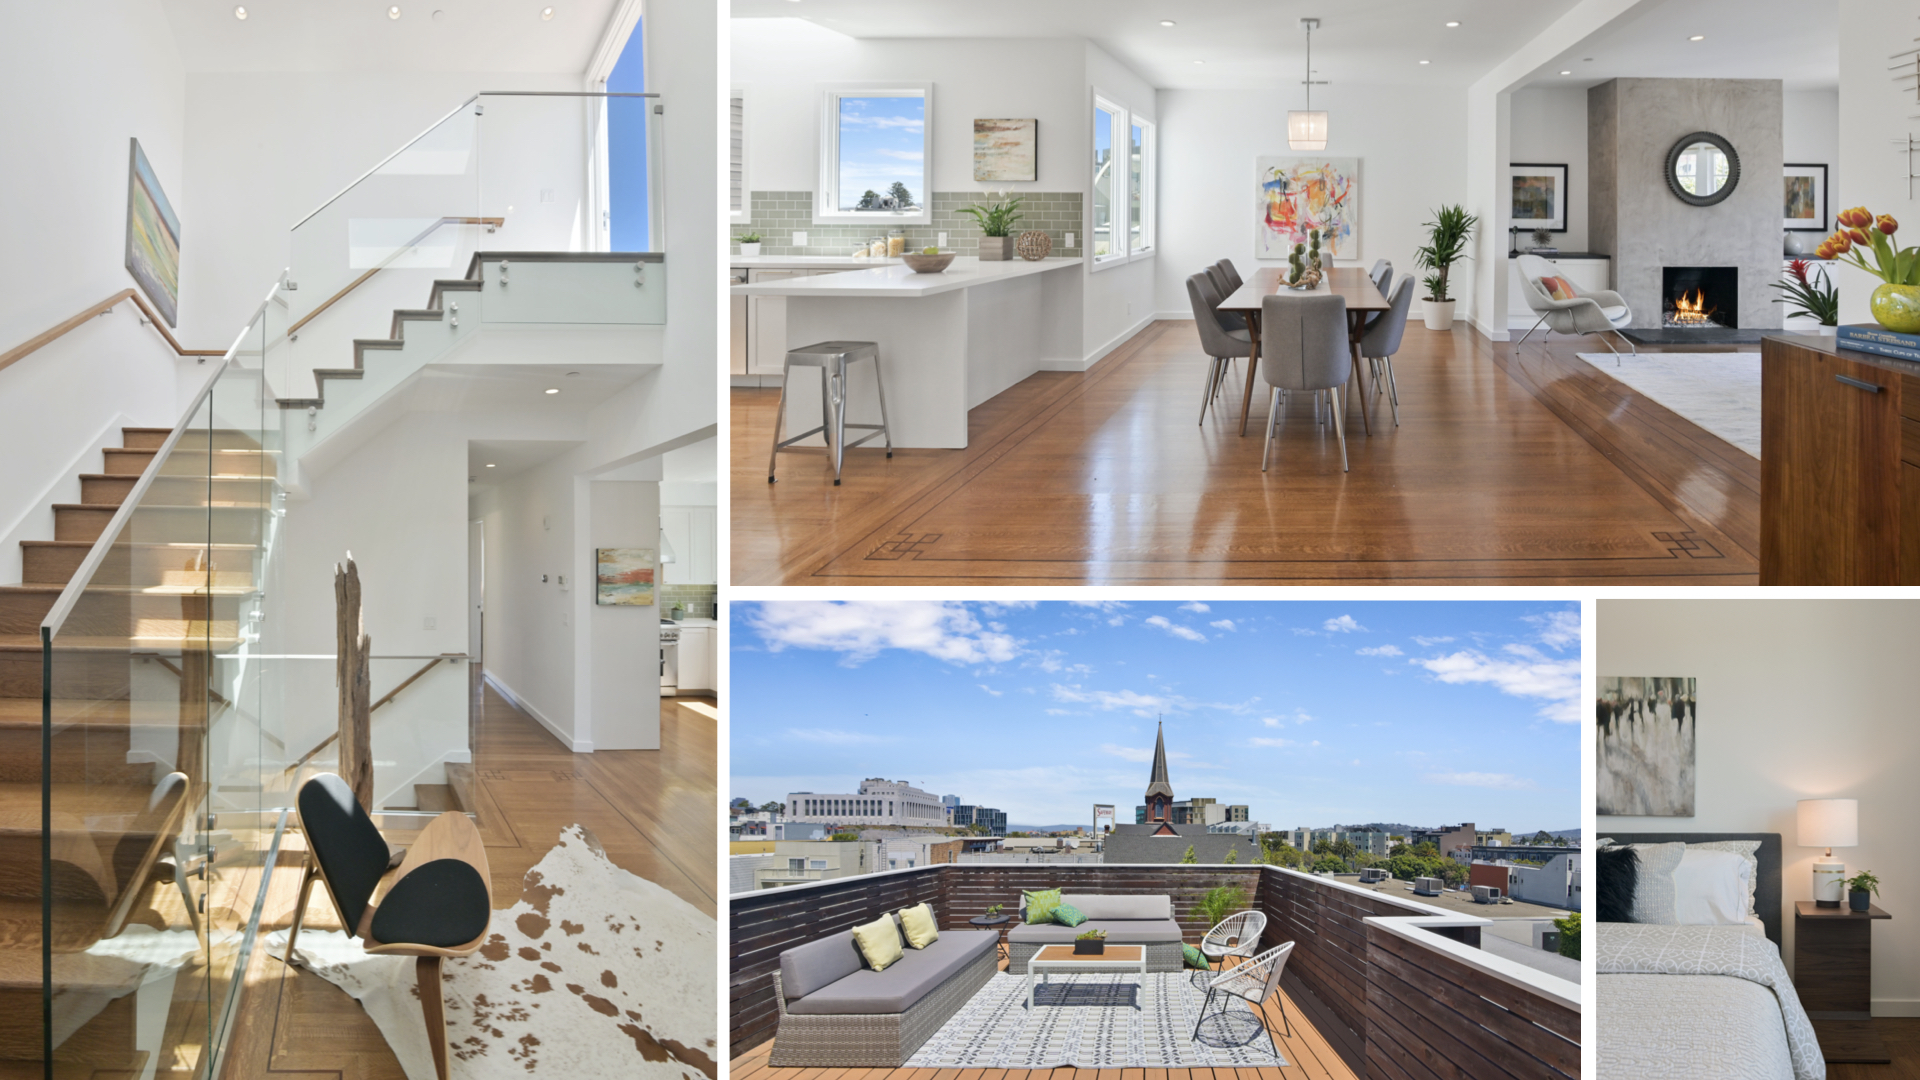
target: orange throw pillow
1558 288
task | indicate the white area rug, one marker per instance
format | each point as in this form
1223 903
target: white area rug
1090 1022
595 972
1718 391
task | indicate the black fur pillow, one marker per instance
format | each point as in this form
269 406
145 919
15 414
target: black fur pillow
1619 869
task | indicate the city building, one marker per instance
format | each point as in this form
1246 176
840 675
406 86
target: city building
1492 838
1529 852
878 802
1161 838
797 861
1452 841
988 818
1557 884
906 852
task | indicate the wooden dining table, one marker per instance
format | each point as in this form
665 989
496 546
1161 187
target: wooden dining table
1363 298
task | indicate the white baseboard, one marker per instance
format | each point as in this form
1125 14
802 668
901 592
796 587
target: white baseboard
578 746
1173 316
458 757
1895 1007
762 381
1485 331
1124 336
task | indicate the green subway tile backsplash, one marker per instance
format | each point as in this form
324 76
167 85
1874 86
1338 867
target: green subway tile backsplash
700 601
777 214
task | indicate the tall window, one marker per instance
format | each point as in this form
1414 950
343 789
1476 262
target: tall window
874 145
629 216
1123 179
1140 194
737 197
1106 125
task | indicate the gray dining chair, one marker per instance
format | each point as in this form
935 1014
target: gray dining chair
1382 340
1233 276
1223 285
1304 346
1220 343
1382 274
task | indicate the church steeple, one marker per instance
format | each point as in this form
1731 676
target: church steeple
1159 788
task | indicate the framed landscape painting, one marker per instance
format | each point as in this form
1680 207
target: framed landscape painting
1539 196
1645 728
1295 195
153 237
1006 150
1805 207
624 577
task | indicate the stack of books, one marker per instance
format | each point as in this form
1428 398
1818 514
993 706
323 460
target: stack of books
1547 252
1874 338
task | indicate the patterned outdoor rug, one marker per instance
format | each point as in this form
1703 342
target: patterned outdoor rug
595 972
1090 1022
1718 391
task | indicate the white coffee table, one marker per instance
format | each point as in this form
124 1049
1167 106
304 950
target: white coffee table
1061 958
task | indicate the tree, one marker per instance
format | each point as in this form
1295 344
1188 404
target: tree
773 808
1188 859
899 191
868 201
1397 849
844 837
1233 856
1453 874
1329 864
1542 837
977 829
1569 928
1425 850
1345 849
1288 855
738 804
1321 847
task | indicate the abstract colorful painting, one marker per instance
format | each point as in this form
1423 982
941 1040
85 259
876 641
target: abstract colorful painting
1297 195
1805 209
153 238
1006 150
1539 197
624 576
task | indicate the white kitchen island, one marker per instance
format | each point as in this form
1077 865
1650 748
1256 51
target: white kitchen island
948 341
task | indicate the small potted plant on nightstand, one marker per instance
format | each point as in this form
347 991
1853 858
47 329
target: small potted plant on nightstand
750 244
1092 942
1861 888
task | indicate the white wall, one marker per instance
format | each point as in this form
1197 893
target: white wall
1810 134
1868 171
1548 125
1799 699
530 622
625 641
1119 299
1412 160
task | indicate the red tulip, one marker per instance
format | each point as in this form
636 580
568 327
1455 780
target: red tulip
1840 242
1857 218
1886 225
1859 236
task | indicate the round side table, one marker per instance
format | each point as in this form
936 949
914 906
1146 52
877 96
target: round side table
988 922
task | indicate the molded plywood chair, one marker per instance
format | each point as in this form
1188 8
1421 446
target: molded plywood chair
1565 309
1221 343
438 905
1382 340
1253 982
1304 346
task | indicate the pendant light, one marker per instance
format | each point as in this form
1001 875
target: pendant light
1307 129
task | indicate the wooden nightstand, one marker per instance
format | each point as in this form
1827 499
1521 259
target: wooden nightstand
1833 970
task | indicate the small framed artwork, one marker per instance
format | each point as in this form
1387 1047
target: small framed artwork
624 576
153 237
1806 198
1539 199
1006 150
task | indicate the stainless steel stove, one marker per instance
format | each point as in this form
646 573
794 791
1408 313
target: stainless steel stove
669 658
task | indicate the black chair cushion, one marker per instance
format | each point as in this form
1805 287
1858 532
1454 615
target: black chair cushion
349 847
442 903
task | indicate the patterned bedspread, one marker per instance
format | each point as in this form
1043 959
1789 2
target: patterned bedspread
1698 1001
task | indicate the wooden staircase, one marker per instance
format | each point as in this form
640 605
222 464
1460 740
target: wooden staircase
130 673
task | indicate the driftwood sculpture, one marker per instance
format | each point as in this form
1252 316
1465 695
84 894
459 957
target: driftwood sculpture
355 681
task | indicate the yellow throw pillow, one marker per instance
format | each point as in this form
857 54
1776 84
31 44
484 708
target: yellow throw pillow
879 942
918 922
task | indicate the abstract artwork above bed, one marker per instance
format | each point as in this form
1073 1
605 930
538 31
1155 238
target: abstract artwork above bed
1645 731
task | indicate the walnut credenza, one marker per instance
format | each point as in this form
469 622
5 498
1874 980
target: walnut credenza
1839 466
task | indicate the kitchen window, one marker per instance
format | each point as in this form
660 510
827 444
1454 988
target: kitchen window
876 155
739 208
1123 181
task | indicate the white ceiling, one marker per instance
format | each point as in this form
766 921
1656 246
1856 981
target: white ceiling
357 35
510 456
1797 41
511 388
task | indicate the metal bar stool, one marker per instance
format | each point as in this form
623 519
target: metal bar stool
832 358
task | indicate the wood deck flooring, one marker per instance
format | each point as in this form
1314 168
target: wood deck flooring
1319 1048
1527 467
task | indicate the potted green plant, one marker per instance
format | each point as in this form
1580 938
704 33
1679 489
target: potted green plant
1819 300
1896 302
1861 889
1093 943
1447 237
996 227
750 243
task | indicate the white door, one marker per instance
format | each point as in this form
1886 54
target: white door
476 589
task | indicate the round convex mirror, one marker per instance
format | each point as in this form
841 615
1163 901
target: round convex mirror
1702 169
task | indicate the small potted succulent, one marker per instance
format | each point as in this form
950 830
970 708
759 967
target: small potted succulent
1093 942
996 228
1861 888
750 244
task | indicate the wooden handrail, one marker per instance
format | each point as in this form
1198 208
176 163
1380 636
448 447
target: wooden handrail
491 222
34 344
395 692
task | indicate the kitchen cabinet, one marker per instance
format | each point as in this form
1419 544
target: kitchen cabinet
698 659
693 531
758 324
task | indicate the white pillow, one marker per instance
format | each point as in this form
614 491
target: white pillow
1710 888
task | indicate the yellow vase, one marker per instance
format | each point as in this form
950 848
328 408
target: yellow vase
1897 307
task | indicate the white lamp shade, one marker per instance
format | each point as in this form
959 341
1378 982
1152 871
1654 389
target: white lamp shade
1829 823
1307 130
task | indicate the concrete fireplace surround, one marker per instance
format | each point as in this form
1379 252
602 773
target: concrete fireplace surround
1633 217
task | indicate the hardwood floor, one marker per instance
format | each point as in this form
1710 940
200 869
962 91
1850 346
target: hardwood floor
656 813
1902 1036
1519 468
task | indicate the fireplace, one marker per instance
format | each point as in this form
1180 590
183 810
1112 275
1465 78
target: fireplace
1700 297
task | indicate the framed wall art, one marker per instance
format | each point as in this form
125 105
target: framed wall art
1805 205
153 237
1645 729
1539 196
624 577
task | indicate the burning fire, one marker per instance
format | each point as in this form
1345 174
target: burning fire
1690 309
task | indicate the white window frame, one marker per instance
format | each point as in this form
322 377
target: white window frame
826 199
1124 120
745 214
1149 133
1117 208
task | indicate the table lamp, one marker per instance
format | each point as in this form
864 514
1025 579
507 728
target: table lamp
1829 823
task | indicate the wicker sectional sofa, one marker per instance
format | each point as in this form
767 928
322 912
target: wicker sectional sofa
1128 920
836 1011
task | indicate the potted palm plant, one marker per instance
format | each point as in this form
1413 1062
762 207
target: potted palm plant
996 227
1447 237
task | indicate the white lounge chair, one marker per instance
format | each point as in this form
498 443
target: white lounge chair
1574 312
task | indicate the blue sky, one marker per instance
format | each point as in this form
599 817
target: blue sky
1424 712
880 142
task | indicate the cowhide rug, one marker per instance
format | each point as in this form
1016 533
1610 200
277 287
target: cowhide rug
595 972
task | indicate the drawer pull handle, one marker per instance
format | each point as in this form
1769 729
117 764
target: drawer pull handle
1858 384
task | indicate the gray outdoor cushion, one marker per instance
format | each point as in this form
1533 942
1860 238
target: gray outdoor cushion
806 968
1121 907
866 992
1119 932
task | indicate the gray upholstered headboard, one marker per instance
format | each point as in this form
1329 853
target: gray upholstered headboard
1766 896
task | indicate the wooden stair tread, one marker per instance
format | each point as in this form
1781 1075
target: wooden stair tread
133 590
94 712
31 643
140 545
20 925
20 803
112 507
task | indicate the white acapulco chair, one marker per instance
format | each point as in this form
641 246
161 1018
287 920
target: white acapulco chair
1584 313
1236 935
1253 982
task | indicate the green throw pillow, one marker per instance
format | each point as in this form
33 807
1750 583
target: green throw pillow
1068 915
1040 905
1194 957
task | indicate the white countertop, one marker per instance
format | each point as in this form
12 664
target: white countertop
697 622
805 262
899 281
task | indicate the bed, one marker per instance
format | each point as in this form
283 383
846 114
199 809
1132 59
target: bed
1702 1002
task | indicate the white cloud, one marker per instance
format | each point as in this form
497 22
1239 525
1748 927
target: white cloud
1503 781
1431 641
1117 620
1223 624
902 155
1161 622
1529 673
1108 700
1196 607
861 630
903 123
1271 742
1558 629
1382 650
834 737
1128 753
1271 721
991 690
1064 712
1342 625
1100 605
1315 742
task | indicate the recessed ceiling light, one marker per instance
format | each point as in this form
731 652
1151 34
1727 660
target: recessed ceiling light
1566 73
1426 61
1200 62
393 12
546 13
1451 25
1166 22
240 13
553 389
1698 37
489 464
